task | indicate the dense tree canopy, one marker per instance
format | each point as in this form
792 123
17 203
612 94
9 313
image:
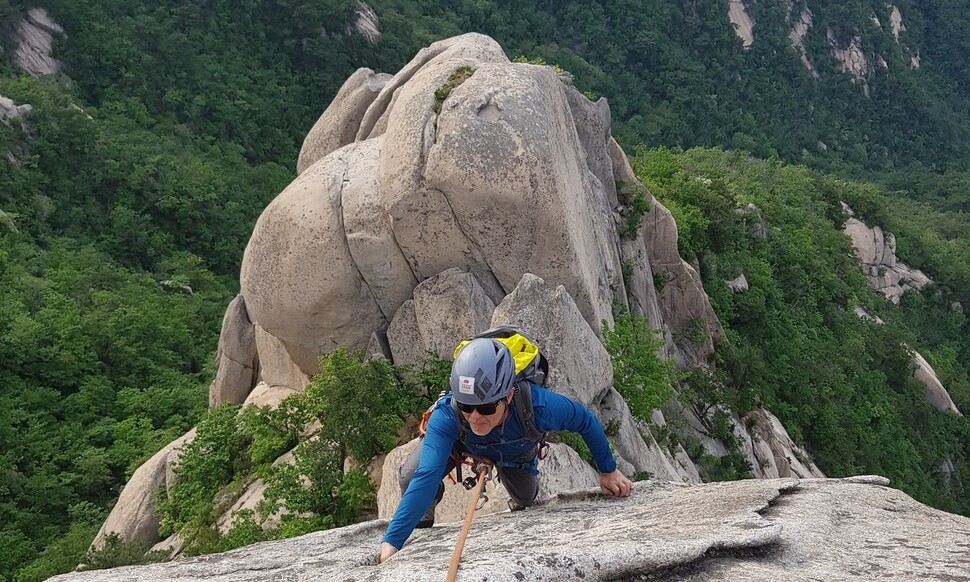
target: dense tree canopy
129 191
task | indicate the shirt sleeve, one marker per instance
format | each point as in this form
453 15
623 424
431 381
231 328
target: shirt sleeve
561 413
436 446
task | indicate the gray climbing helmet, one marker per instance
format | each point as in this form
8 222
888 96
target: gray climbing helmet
483 372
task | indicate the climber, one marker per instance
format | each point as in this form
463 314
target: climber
484 421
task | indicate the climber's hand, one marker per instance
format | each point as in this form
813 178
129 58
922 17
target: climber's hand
615 484
387 550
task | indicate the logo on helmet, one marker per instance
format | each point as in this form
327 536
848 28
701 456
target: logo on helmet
466 384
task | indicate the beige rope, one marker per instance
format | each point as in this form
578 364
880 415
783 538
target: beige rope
472 505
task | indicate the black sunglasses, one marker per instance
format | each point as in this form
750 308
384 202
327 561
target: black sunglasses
483 409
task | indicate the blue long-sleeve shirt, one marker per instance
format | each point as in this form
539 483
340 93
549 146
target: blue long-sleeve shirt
506 442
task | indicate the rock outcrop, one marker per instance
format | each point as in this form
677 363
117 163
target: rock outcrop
513 172
10 110
367 23
936 393
742 22
464 192
850 56
34 38
876 251
135 516
757 530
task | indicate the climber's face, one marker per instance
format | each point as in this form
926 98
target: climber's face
482 424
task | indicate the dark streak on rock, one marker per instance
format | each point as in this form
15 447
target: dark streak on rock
697 567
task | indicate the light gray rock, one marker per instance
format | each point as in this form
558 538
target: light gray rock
10 110
236 362
282 364
34 39
335 256
936 394
404 337
684 467
761 440
298 275
634 443
949 474
252 495
451 307
338 125
684 304
135 517
743 25
367 23
638 278
876 252
739 283
424 218
370 233
593 120
689 322
378 346
758 530
775 453
508 159
877 257
579 365
250 498
472 46
639 285
265 395
425 225
446 309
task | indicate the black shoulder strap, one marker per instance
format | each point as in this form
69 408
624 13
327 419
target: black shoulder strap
458 418
523 408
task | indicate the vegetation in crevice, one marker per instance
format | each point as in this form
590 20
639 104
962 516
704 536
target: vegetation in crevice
634 198
641 376
356 407
456 78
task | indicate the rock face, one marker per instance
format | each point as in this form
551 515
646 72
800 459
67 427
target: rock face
135 516
462 193
757 530
10 110
742 22
513 172
236 363
876 251
936 393
496 183
34 37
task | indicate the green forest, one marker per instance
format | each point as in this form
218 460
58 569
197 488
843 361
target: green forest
129 191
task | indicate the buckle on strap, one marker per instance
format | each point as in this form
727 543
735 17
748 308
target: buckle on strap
543 450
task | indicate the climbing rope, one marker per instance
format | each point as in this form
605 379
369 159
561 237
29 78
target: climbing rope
484 470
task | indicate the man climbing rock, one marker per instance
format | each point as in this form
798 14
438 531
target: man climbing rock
486 415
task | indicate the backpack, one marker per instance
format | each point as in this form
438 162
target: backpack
531 367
